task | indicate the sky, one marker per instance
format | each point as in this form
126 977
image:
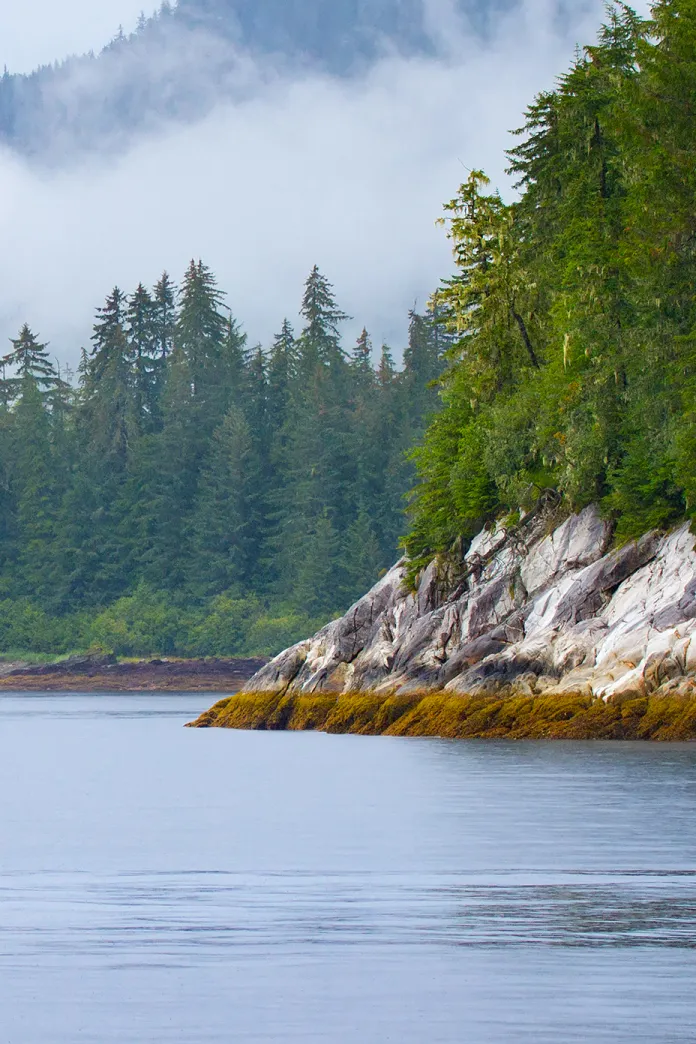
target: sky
347 175
36 32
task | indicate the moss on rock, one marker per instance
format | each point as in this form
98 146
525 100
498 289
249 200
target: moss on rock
505 715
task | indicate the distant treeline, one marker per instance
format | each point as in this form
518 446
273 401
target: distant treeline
574 308
191 494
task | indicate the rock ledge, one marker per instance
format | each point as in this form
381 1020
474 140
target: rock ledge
540 613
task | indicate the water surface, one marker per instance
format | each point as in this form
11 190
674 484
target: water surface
167 885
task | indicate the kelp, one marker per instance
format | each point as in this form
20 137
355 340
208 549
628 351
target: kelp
663 716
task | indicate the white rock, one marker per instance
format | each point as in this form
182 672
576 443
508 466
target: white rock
556 607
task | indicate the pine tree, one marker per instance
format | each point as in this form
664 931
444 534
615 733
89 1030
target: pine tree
312 451
320 339
36 493
225 526
386 369
29 360
282 370
362 558
164 483
362 360
203 336
164 315
318 581
108 414
141 332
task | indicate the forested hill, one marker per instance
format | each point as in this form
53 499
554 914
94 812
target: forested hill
189 57
191 493
574 308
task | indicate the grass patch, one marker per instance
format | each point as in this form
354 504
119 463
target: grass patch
570 716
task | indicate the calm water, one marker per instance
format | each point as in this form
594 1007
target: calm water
167 885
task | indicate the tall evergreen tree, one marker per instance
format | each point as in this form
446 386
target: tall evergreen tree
282 370
28 359
225 525
142 335
203 336
164 315
321 340
36 490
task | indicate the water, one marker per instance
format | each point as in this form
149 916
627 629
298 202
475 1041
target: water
167 885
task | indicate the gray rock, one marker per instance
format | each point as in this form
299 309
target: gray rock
543 612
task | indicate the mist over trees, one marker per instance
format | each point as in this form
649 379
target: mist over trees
188 57
193 493
198 494
574 309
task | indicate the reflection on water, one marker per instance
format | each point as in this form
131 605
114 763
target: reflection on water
162 884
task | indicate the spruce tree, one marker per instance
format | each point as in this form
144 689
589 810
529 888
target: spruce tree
321 341
363 373
164 482
164 315
282 370
142 335
28 359
225 534
108 415
36 490
209 343
362 558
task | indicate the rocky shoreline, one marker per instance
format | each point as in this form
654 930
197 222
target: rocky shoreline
448 715
543 612
108 674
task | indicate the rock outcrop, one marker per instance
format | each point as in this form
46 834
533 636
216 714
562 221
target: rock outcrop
532 612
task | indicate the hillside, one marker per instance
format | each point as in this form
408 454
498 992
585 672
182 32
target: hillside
550 549
183 61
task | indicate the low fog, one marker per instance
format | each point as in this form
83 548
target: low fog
350 175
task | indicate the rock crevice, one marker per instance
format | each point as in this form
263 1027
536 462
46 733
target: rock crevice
542 612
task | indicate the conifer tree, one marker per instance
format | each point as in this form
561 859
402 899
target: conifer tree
108 418
225 526
35 485
362 557
362 359
29 360
141 333
282 370
164 316
318 580
386 370
202 335
164 483
321 341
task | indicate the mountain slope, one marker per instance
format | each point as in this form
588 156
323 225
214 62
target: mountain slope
178 64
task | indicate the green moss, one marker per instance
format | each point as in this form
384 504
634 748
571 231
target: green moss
570 716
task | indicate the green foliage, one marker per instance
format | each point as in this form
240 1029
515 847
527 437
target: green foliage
273 631
192 497
573 308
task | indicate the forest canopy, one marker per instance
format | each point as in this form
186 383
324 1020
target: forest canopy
193 494
574 307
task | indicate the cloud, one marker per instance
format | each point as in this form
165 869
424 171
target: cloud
347 174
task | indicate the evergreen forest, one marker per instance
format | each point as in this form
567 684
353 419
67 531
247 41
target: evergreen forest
187 493
573 375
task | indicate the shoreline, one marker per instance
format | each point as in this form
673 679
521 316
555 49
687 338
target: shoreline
107 674
663 717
